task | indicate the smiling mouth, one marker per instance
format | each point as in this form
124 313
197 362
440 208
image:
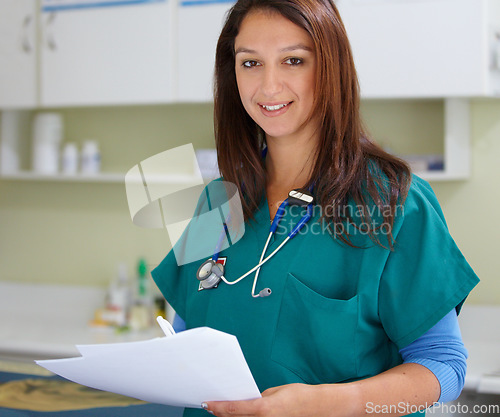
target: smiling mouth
275 107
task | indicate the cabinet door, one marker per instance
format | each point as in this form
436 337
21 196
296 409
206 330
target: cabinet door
200 23
114 54
419 48
17 54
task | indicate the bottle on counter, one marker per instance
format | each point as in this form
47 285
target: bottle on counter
141 314
160 306
119 299
142 280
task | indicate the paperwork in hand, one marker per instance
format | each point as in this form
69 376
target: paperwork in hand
181 370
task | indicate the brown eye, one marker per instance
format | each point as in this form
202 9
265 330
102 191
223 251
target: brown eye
294 61
250 63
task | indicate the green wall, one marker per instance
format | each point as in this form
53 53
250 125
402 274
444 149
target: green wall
76 233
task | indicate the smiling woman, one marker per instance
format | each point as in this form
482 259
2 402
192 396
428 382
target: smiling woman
285 79
363 308
276 80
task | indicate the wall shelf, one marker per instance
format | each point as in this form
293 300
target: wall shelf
456 156
103 177
110 177
438 176
456 142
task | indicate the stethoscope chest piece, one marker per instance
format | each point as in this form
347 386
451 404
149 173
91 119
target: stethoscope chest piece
209 274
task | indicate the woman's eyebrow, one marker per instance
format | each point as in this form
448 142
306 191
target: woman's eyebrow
286 49
244 50
296 47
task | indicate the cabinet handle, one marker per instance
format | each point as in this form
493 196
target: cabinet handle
496 51
51 41
26 42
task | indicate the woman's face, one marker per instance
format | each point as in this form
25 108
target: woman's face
275 69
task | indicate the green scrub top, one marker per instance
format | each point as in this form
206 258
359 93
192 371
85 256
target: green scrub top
336 313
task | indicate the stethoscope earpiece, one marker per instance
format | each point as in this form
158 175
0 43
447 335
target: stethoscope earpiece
266 292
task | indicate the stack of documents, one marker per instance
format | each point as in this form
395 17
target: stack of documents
181 370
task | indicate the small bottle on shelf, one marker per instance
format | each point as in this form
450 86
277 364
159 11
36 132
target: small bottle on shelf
70 159
47 136
91 157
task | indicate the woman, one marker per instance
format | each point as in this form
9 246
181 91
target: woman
366 296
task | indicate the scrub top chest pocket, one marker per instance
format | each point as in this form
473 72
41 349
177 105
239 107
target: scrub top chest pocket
315 335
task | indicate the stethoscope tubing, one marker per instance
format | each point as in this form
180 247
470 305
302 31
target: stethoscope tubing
262 261
256 267
258 270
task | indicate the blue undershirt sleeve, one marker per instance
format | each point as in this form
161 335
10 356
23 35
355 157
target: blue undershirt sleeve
179 325
442 351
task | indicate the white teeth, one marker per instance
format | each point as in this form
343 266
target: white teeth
276 107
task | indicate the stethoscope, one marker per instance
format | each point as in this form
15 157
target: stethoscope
210 273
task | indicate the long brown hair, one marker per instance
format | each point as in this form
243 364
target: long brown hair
350 167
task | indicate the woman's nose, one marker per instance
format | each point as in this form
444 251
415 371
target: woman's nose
272 84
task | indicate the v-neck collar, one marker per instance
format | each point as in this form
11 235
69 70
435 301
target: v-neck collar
262 221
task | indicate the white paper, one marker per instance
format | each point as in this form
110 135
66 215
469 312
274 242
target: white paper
182 370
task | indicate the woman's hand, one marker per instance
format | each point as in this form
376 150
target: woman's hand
410 385
294 400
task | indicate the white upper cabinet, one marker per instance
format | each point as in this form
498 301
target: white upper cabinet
402 48
199 26
160 51
120 54
425 48
17 54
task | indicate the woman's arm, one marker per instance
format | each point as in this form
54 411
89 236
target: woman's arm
401 390
442 351
433 369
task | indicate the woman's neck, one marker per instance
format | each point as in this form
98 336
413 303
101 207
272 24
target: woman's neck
289 165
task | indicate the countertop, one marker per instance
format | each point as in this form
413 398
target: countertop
39 321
